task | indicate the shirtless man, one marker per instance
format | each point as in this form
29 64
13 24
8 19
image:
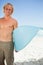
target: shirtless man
7 25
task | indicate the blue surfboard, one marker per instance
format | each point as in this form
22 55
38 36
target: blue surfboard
23 35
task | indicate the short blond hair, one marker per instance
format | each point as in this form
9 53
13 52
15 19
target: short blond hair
8 4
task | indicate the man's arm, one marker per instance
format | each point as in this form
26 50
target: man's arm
15 24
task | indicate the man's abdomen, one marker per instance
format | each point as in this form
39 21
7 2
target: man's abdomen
6 35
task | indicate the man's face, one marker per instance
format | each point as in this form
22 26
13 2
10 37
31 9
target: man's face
8 10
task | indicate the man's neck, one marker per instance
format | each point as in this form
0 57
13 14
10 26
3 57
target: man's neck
7 17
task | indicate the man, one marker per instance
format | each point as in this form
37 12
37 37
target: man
7 25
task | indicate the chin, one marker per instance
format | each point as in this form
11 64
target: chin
7 14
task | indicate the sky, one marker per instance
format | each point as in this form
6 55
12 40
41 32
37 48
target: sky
26 12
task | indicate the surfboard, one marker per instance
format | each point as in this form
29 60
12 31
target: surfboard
23 35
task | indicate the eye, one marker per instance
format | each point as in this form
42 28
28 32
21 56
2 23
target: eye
8 9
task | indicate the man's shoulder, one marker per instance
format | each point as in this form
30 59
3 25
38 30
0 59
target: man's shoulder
14 20
15 23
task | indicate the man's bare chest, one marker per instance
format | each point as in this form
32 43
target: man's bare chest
6 24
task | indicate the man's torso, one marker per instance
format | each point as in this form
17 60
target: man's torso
6 30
